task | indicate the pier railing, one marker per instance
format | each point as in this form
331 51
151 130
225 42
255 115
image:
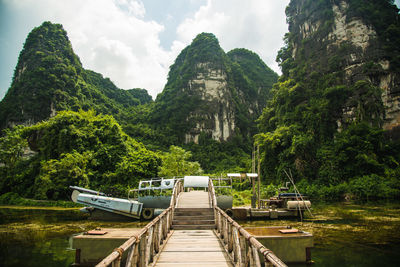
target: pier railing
243 248
143 248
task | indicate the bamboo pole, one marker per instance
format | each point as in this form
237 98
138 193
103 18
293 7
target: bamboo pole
129 258
269 256
142 248
237 253
225 231
149 245
256 257
135 255
142 253
230 241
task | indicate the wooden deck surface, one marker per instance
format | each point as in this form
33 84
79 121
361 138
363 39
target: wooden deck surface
193 248
194 199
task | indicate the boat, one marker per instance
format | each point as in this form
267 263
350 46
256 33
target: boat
99 200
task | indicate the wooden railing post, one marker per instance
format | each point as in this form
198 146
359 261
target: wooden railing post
156 238
117 262
256 257
242 245
230 243
237 250
226 231
142 251
142 248
149 245
130 258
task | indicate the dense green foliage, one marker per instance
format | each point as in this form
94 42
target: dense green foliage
50 78
322 125
316 121
221 157
76 148
258 74
14 199
175 163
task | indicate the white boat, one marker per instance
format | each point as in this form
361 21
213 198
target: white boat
126 207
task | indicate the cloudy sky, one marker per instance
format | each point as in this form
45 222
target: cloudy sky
133 42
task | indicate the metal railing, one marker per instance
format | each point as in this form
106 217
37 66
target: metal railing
243 248
142 249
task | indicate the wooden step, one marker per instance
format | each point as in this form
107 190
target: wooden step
194 209
192 222
202 217
194 227
193 212
197 213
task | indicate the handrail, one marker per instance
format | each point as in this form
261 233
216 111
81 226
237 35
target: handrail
241 246
143 247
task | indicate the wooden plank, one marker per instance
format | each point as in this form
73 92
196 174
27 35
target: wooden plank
195 264
194 256
193 248
194 199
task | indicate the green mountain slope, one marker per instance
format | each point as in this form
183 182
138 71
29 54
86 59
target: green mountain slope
213 93
210 103
49 77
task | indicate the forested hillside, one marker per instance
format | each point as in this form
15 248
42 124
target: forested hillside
49 77
60 141
72 148
332 117
325 119
211 101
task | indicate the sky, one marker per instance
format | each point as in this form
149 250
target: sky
134 42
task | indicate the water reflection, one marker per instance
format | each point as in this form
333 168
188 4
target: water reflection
346 234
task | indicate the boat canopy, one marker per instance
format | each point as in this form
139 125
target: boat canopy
195 181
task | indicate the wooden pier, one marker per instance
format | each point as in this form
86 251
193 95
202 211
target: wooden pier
193 231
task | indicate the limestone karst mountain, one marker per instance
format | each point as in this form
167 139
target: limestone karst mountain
49 77
213 93
339 89
354 41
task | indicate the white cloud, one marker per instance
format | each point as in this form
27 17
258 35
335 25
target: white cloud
257 25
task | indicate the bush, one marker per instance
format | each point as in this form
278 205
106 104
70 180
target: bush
12 198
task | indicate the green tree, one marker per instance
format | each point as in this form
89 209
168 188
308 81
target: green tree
12 146
77 148
175 163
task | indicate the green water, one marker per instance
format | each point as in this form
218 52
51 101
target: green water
41 237
344 234
348 234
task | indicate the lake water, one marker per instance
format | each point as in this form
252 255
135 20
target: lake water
344 234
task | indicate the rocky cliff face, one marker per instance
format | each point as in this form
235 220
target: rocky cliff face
214 113
345 38
209 92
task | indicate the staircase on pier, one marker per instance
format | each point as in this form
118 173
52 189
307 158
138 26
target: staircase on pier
193 241
193 212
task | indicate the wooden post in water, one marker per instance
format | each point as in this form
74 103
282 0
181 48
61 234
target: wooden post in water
253 197
258 174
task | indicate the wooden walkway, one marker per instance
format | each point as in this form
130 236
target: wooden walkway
194 200
192 232
193 247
